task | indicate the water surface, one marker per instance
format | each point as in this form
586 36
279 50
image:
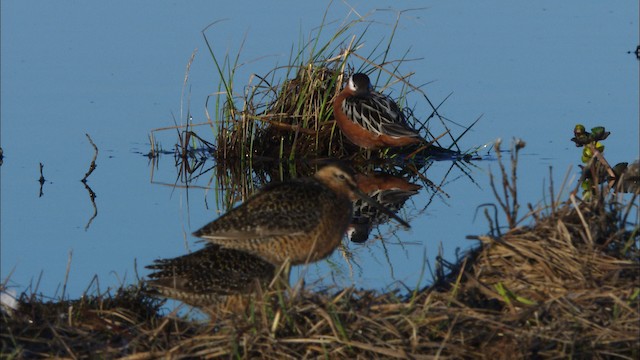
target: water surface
532 70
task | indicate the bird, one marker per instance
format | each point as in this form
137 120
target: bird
209 276
369 119
297 221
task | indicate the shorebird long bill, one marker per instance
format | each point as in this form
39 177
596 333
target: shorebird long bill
380 207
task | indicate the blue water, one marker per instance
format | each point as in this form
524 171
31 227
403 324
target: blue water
115 71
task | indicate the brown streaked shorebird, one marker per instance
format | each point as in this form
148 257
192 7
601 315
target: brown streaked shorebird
369 119
210 275
301 220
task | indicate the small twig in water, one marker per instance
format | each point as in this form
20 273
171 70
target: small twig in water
41 180
92 196
93 161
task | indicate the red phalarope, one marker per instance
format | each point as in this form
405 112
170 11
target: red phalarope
369 119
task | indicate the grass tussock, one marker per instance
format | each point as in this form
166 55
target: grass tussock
567 286
294 119
280 124
286 114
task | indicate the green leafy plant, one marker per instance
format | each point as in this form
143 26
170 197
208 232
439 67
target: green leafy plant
621 177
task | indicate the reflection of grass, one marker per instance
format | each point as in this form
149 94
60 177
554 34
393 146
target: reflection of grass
567 286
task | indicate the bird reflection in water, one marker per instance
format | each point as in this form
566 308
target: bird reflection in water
389 191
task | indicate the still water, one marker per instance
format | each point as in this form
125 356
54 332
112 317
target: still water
116 72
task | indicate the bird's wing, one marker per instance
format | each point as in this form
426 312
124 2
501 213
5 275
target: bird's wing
378 114
280 209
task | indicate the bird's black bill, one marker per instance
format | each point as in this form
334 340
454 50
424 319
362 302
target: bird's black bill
380 207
